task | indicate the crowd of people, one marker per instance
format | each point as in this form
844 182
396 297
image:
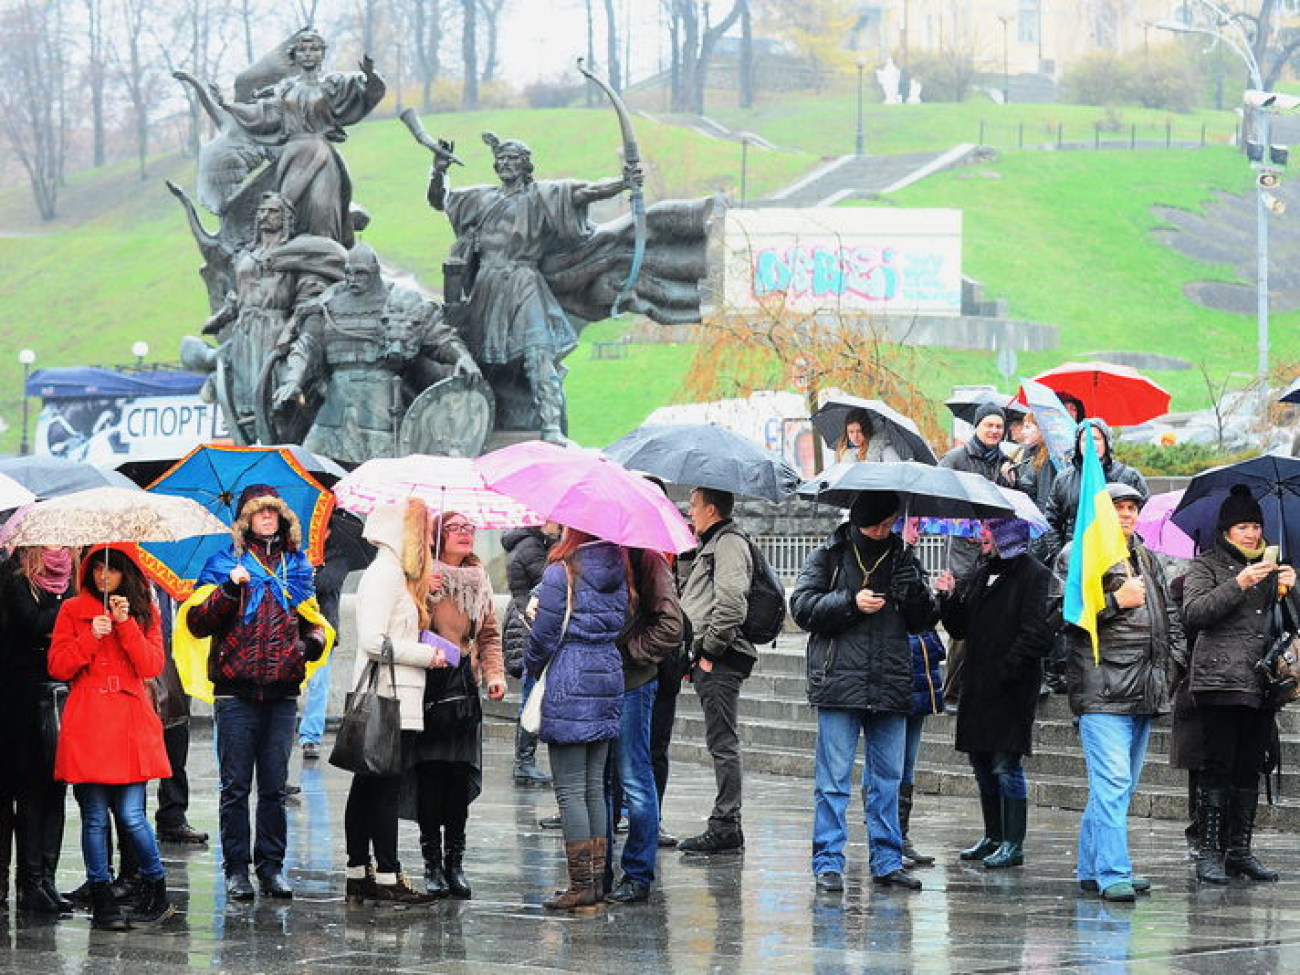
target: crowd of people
603 637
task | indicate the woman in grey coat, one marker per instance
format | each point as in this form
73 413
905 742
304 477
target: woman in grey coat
1228 597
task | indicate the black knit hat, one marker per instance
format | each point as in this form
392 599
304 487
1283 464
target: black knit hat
873 507
989 408
1239 508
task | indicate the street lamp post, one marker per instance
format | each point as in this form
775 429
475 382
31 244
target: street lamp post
1240 45
744 167
139 350
860 143
26 357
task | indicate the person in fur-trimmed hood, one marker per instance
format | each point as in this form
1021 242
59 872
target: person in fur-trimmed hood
256 603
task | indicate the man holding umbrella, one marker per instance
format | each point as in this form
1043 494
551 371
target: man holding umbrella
859 595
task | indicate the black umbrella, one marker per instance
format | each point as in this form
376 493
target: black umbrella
1292 394
324 470
964 405
937 492
50 477
1273 480
704 455
902 432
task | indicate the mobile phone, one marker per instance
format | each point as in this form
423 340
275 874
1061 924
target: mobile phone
1271 554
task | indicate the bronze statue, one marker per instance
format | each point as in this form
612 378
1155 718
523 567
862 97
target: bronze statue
272 278
378 354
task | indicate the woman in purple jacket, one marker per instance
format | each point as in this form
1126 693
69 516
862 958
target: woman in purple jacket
581 608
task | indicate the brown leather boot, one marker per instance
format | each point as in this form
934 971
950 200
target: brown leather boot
581 892
599 855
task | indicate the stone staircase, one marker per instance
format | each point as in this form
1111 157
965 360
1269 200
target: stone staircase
860 177
779 733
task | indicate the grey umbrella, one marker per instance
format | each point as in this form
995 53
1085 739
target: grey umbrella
900 430
51 477
936 492
704 455
1292 394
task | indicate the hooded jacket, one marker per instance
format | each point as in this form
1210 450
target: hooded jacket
385 607
857 659
110 732
580 612
526 550
1063 502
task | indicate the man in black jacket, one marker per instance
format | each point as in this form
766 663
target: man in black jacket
859 595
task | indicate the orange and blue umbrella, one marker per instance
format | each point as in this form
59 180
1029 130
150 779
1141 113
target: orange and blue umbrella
215 475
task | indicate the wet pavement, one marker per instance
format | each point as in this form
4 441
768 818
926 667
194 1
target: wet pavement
750 912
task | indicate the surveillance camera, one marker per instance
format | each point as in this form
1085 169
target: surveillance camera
1274 205
1267 180
1253 98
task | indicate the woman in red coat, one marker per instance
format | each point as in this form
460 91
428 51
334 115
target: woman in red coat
107 642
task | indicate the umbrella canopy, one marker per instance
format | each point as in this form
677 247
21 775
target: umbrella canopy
926 491
49 477
902 432
1158 531
144 472
1292 393
443 483
1117 394
588 491
13 494
215 475
965 404
1273 480
105 515
706 455
1054 422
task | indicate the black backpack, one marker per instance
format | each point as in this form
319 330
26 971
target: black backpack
765 614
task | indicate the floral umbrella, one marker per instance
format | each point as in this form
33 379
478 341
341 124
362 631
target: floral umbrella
108 514
443 483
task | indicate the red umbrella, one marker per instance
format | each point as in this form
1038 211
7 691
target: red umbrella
1120 395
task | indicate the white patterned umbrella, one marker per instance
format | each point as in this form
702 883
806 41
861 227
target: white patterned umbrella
101 516
443 483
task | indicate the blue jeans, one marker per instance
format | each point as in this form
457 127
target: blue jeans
912 746
312 727
837 745
127 802
999 774
1114 747
254 736
637 778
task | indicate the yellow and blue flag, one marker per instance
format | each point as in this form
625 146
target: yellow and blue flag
1099 543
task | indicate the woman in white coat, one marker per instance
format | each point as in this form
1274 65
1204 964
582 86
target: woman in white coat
391 602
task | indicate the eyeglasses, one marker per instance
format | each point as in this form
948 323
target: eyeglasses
461 528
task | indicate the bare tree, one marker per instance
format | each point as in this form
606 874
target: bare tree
745 83
491 11
33 71
96 76
469 53
591 50
423 22
613 75
135 70
694 42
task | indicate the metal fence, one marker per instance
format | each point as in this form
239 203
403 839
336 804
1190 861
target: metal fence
787 553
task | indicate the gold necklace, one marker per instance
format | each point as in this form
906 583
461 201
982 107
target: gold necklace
866 573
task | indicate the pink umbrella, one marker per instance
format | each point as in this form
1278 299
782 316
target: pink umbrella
443 483
586 490
1159 533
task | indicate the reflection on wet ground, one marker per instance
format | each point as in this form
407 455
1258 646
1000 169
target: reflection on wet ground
752 912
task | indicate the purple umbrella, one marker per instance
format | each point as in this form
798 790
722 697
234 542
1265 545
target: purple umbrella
1158 532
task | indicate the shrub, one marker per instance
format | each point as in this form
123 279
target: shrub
945 76
1161 78
1178 460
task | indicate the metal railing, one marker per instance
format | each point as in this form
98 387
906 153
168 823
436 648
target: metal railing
787 553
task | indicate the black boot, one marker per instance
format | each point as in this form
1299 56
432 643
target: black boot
435 878
1011 853
105 913
33 897
904 819
991 807
6 846
1213 804
457 884
527 771
151 903
1238 860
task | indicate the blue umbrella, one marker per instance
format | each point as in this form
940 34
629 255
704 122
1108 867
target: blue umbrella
215 475
1273 480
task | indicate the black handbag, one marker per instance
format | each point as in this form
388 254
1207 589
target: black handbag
451 701
369 741
52 696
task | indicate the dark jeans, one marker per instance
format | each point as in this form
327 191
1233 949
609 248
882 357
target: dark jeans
443 798
999 774
662 716
719 693
637 793
254 736
174 793
578 772
1234 743
370 821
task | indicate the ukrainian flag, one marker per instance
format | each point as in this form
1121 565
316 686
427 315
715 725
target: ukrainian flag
1098 544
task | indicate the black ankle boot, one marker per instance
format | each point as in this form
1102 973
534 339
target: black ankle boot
457 884
33 898
435 878
105 913
152 903
1238 860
